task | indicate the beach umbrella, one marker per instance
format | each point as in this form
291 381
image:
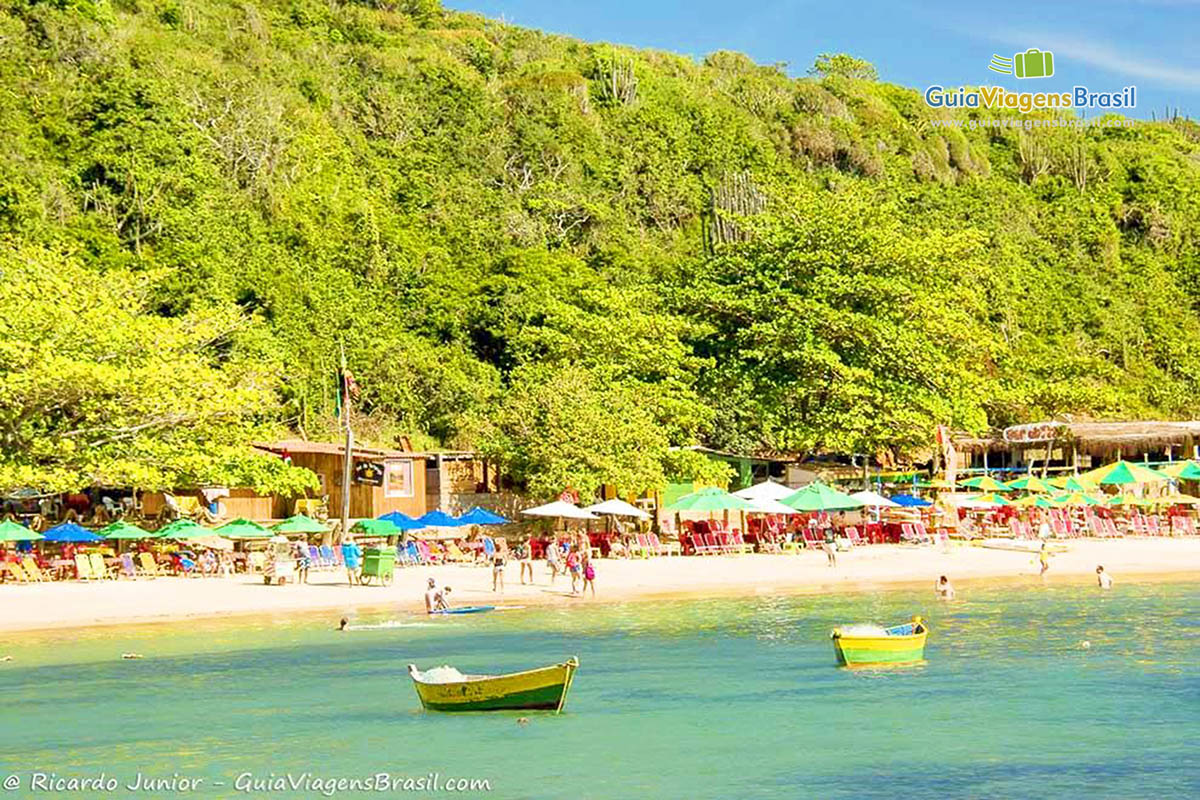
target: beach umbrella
819 497
559 508
1129 500
986 483
438 519
1073 483
300 524
12 532
617 508
1177 499
874 499
182 529
123 530
212 542
1036 501
242 528
1077 499
710 499
402 521
767 490
1123 473
376 527
768 506
1182 470
71 532
1031 483
989 500
910 501
481 516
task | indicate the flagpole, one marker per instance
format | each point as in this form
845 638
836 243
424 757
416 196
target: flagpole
347 456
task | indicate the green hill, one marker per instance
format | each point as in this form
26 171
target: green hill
570 255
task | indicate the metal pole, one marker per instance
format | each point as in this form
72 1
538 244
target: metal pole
347 455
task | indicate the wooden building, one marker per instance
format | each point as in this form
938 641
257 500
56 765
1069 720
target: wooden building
382 480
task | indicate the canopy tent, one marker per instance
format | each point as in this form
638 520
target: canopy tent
242 528
1123 473
71 532
986 483
481 516
767 490
402 521
617 508
874 499
768 506
376 527
12 532
709 500
438 519
300 523
123 530
559 508
819 497
1182 470
910 501
1031 483
182 529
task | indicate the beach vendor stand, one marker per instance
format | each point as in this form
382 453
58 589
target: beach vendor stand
379 564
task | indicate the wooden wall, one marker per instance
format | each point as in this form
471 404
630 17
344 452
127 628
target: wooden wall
365 500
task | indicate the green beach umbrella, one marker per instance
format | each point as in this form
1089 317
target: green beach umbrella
1123 473
12 532
182 529
242 528
991 499
1031 483
986 483
300 524
710 499
123 530
376 527
1036 501
1072 483
819 497
1129 500
1182 470
1177 499
1077 499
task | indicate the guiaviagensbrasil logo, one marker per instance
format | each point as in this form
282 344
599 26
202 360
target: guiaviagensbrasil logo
1033 63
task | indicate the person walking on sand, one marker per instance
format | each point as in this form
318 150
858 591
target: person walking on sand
524 553
498 571
1044 557
943 588
552 555
431 594
573 568
829 545
1103 579
351 557
589 575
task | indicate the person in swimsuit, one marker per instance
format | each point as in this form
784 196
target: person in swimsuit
573 568
1103 579
943 589
552 558
431 593
589 575
1044 557
525 558
498 571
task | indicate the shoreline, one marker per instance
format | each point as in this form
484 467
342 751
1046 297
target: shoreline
73 605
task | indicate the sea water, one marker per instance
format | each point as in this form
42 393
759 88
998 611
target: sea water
1027 691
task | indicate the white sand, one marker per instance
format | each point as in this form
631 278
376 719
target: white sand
74 604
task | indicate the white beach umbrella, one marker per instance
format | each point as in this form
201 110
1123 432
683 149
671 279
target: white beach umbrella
559 508
767 490
768 506
874 500
618 508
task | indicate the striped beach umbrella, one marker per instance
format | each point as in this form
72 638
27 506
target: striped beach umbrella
1124 473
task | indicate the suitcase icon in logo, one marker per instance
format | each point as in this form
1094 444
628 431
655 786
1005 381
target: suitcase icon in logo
1033 63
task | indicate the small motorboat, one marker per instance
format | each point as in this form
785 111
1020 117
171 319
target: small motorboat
544 688
464 610
870 646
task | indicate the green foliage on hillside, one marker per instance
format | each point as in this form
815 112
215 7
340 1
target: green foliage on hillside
573 256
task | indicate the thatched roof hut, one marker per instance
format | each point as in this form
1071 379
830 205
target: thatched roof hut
1102 439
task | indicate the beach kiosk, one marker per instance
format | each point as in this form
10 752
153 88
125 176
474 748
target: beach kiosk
378 563
280 564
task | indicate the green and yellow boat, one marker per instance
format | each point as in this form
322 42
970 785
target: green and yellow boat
544 688
866 646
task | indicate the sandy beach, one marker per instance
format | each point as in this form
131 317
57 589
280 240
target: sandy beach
74 604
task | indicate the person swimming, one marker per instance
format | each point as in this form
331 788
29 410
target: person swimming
342 625
943 588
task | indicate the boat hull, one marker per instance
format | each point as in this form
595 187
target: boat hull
535 689
878 651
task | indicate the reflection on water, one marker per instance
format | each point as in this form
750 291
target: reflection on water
1027 691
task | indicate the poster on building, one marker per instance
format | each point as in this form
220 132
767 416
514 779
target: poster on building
399 479
368 472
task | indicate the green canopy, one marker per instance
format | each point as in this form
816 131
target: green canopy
819 497
710 499
1077 499
12 532
1031 483
990 499
1072 483
1182 470
1123 473
376 527
242 528
300 524
182 529
1036 501
1129 500
986 483
123 530
1177 499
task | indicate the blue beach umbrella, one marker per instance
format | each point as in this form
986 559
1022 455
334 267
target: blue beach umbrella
71 532
910 501
438 519
481 516
402 521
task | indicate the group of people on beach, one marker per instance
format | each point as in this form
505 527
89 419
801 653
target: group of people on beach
572 555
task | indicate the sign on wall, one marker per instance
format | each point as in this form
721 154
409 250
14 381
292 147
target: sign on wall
398 479
368 472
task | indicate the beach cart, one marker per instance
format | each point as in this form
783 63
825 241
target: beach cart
280 564
378 563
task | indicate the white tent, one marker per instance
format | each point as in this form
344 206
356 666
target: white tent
559 508
768 506
618 508
767 490
874 500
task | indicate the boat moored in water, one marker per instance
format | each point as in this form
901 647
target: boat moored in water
544 688
863 646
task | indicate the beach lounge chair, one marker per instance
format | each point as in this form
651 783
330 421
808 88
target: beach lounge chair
412 553
83 568
330 556
32 569
126 567
147 566
666 548
14 569
454 553
1152 526
851 533
427 554
100 570
1110 527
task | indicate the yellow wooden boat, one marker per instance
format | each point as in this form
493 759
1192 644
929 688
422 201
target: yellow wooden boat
544 688
900 644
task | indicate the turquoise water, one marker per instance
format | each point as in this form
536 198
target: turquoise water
708 699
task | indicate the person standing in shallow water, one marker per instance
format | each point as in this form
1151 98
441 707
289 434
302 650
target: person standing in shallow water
1103 579
1044 557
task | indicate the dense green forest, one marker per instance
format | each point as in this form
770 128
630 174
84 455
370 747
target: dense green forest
571 256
